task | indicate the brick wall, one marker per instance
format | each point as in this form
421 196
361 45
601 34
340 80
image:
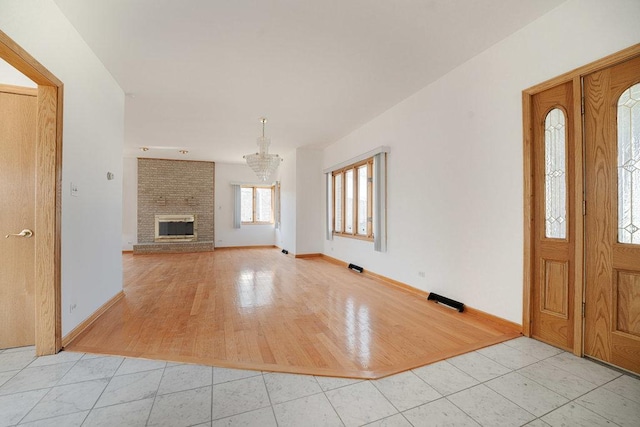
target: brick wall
175 187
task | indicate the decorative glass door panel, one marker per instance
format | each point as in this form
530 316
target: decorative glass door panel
555 175
629 166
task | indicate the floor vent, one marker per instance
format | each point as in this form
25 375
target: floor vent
356 268
446 301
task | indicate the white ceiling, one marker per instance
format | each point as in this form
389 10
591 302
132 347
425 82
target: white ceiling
200 73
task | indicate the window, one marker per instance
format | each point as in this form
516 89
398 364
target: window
353 200
629 166
256 205
555 178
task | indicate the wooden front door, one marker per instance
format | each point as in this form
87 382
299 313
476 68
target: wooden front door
18 108
612 237
553 266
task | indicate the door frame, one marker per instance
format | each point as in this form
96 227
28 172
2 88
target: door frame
48 195
575 77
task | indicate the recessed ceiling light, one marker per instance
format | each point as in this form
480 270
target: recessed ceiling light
144 149
183 151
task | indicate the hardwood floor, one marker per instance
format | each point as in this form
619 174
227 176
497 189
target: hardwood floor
260 309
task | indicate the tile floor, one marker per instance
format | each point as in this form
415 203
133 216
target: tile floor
511 384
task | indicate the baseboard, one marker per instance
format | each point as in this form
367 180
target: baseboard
493 318
127 251
334 260
498 321
308 255
247 247
78 330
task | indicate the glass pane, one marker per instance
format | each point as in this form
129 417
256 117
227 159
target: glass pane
337 202
555 180
629 166
263 205
348 217
362 200
246 203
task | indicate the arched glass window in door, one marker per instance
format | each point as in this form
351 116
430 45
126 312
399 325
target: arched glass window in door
629 166
555 177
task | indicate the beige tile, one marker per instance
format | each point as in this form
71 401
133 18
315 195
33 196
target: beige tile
406 390
489 408
311 411
439 413
445 378
360 403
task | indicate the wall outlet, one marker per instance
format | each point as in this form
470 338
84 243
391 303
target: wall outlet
74 190
422 274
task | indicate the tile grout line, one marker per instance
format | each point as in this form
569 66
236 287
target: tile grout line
273 411
483 383
225 382
213 373
158 389
335 411
44 395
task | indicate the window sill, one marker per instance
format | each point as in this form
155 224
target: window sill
354 236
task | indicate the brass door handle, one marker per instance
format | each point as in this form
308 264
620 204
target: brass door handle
24 233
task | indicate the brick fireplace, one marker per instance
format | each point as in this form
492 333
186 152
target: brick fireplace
175 206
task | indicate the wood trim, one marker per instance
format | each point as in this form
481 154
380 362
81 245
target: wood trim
527 132
394 283
82 327
353 236
509 325
127 251
504 324
316 255
20 59
246 247
19 90
578 220
48 297
574 76
48 331
333 260
599 64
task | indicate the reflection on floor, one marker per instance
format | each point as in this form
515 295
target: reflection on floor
259 309
513 383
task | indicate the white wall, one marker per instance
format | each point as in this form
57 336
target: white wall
10 76
93 134
225 234
309 201
455 167
129 203
286 235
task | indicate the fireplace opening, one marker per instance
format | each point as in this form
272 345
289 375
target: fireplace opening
175 228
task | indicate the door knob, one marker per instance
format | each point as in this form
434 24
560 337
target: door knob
24 233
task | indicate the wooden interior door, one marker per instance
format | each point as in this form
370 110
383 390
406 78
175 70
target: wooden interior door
18 108
553 266
612 167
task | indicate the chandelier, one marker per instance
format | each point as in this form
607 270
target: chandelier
263 163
